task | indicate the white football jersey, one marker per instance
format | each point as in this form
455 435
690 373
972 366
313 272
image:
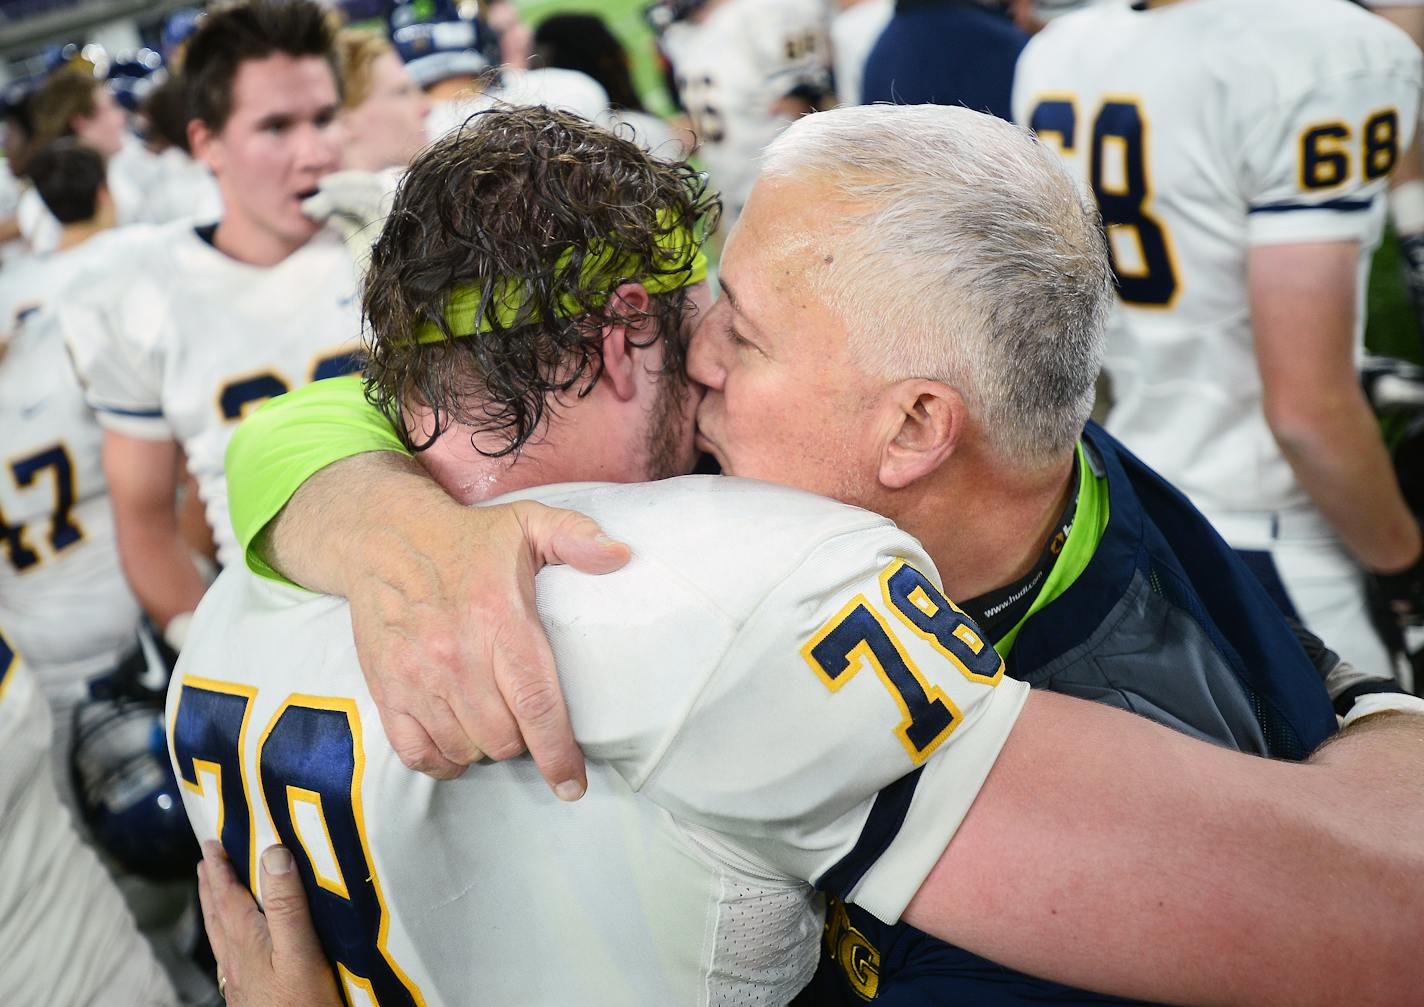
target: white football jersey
179 341
1205 128
181 188
732 67
772 693
68 937
62 591
854 32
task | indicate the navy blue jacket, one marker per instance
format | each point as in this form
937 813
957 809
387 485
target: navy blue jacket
1165 621
945 52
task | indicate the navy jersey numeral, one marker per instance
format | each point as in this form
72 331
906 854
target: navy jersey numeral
239 396
310 761
857 636
64 530
1121 183
208 731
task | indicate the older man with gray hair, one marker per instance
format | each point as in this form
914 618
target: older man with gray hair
911 318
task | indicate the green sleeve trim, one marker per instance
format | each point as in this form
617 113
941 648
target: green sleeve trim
288 440
1089 524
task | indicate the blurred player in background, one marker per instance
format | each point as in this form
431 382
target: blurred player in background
196 325
855 28
181 188
383 110
455 59
743 71
946 52
583 42
62 589
73 102
68 937
1243 198
1406 192
62 586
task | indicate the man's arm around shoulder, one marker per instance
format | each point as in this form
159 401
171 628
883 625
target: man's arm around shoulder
1106 852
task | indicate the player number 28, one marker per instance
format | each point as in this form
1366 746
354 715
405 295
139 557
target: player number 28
858 636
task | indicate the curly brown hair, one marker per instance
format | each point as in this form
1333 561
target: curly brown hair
553 209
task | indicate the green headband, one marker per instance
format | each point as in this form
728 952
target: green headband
682 264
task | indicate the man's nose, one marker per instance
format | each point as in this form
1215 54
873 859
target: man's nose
704 365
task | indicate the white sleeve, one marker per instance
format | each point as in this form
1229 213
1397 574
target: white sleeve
114 341
1317 165
839 741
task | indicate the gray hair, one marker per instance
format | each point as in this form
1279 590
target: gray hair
965 254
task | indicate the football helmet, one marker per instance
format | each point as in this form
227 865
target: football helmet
120 768
436 43
133 75
124 781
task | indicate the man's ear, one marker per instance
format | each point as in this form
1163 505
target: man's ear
203 142
621 339
923 421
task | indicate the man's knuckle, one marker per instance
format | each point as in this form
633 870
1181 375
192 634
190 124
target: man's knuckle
535 701
507 748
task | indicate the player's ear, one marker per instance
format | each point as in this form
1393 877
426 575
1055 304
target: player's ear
921 423
622 338
203 142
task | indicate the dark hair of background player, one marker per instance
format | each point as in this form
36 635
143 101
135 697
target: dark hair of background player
67 174
520 196
164 111
256 29
67 94
18 114
584 43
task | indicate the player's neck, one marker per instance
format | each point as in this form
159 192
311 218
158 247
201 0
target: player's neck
984 524
74 235
240 239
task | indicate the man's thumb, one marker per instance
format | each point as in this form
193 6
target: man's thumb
563 536
285 903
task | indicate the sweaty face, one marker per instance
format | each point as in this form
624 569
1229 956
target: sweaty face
670 450
280 139
388 128
783 403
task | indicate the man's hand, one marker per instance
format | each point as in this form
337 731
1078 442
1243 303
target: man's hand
271 960
1400 595
448 633
442 607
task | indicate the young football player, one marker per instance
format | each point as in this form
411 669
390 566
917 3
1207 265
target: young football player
1243 198
194 326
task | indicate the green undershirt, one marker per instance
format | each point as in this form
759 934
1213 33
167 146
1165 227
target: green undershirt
291 438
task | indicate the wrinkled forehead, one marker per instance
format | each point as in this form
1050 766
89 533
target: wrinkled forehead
779 250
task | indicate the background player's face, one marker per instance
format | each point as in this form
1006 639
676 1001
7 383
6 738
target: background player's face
104 130
281 137
783 402
390 123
